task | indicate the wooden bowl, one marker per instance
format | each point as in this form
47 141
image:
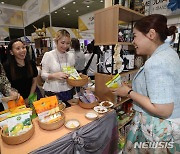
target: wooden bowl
78 82
89 105
53 125
12 140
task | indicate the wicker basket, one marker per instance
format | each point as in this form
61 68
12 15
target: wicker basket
89 105
12 140
54 125
78 82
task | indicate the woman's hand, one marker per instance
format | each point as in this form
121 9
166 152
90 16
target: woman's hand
60 75
14 93
121 91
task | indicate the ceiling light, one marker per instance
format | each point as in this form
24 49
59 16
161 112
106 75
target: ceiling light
2 2
74 2
87 5
55 12
101 1
68 14
64 8
87 2
77 10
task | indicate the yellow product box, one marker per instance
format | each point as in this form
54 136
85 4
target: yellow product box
72 72
3 121
4 113
115 82
46 107
19 123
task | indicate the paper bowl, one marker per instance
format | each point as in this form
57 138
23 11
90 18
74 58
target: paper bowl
12 140
91 115
72 124
88 105
100 109
53 125
78 82
106 104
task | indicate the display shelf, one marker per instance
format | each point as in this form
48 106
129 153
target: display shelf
130 118
123 100
101 89
107 23
129 72
125 43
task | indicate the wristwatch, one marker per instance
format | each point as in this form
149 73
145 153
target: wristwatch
129 92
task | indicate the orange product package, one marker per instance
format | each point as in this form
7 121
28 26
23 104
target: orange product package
45 104
15 103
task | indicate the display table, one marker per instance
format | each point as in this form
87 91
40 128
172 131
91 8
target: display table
99 136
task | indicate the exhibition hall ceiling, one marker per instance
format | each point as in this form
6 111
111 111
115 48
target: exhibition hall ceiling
67 17
13 2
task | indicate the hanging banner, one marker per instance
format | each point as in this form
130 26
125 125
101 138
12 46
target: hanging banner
89 34
160 7
56 4
4 32
35 10
86 22
51 31
11 17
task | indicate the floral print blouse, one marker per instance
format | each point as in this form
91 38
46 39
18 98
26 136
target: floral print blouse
5 85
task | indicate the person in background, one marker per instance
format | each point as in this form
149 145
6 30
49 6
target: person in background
21 72
5 86
98 52
155 90
52 64
3 54
92 69
79 55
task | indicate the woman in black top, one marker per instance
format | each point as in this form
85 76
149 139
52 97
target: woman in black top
21 72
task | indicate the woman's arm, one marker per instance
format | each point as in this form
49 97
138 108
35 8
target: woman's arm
46 73
33 86
5 86
58 76
160 110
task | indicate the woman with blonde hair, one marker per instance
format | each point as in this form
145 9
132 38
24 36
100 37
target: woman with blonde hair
52 64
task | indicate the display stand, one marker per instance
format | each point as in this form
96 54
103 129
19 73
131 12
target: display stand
101 89
41 44
107 23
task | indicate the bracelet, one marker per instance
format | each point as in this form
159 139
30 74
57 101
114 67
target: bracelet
129 92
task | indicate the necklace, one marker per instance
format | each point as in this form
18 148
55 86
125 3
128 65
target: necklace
63 82
20 65
59 61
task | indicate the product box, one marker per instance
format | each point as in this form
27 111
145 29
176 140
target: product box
19 123
46 108
72 72
114 82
